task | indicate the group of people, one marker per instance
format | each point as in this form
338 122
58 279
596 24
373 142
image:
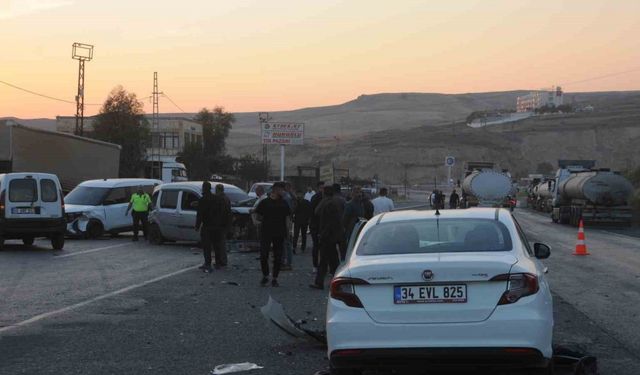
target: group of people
282 218
437 200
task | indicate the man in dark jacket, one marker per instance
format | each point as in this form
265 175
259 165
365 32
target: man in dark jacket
454 200
331 234
211 222
301 216
220 245
353 211
313 224
274 212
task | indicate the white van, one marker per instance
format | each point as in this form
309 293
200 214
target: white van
31 205
98 206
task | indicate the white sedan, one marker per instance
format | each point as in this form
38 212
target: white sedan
419 290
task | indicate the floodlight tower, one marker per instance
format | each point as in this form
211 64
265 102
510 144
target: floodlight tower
81 52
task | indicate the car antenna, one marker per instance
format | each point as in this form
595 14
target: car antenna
438 223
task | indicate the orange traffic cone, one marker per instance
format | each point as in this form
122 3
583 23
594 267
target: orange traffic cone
581 247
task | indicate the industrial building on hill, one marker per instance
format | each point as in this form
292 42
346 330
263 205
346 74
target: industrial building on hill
538 99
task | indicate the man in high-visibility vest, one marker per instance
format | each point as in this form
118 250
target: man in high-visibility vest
140 202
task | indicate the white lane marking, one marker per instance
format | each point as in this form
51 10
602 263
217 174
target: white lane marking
91 250
92 300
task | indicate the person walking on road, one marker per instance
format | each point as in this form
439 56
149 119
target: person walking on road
382 203
139 202
211 223
330 233
313 225
367 205
454 199
301 217
274 212
309 194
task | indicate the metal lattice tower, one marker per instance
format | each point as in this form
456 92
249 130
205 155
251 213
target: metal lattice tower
156 169
81 52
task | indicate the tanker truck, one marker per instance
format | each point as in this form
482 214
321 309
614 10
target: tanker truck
594 195
488 188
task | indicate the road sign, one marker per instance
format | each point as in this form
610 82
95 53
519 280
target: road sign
282 133
449 161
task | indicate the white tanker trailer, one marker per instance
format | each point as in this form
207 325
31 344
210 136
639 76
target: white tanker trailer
487 188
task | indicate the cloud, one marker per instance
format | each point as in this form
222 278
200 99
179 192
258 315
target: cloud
16 8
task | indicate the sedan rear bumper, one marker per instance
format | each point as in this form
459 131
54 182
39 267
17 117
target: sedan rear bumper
416 358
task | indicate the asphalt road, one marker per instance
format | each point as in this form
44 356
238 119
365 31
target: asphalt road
117 307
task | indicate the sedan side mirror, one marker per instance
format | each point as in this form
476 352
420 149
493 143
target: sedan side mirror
541 250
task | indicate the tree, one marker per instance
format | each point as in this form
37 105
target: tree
121 121
250 168
195 160
216 125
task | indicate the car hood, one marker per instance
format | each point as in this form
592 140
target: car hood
75 208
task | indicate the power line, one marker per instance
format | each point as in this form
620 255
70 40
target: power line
37 93
174 103
601 77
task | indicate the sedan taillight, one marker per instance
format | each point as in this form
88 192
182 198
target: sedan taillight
519 285
343 289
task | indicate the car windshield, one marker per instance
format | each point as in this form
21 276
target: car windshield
86 196
435 236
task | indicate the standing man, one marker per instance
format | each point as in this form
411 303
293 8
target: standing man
353 211
454 199
140 202
208 223
342 202
274 212
255 218
309 194
288 244
330 234
225 227
301 216
382 203
314 223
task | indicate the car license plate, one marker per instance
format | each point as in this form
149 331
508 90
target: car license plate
23 210
407 294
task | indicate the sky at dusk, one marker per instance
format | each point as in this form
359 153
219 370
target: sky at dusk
257 55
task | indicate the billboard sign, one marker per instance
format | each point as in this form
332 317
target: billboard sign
282 133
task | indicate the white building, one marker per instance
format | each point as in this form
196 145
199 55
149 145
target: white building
167 141
539 99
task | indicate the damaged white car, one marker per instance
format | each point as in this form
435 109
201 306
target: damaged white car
96 207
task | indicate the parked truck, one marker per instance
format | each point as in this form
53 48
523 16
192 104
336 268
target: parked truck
72 158
580 191
165 168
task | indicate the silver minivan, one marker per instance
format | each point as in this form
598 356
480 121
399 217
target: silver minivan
31 205
173 213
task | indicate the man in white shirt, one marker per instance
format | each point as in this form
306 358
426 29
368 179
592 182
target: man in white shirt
309 194
382 203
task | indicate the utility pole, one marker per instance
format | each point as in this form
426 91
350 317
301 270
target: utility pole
81 52
156 168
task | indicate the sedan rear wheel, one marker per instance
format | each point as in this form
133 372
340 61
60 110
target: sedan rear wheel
1 242
342 371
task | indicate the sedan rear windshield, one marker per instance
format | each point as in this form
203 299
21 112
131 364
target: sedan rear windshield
435 236
86 196
236 195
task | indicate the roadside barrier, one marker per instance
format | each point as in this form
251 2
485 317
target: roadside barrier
581 247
